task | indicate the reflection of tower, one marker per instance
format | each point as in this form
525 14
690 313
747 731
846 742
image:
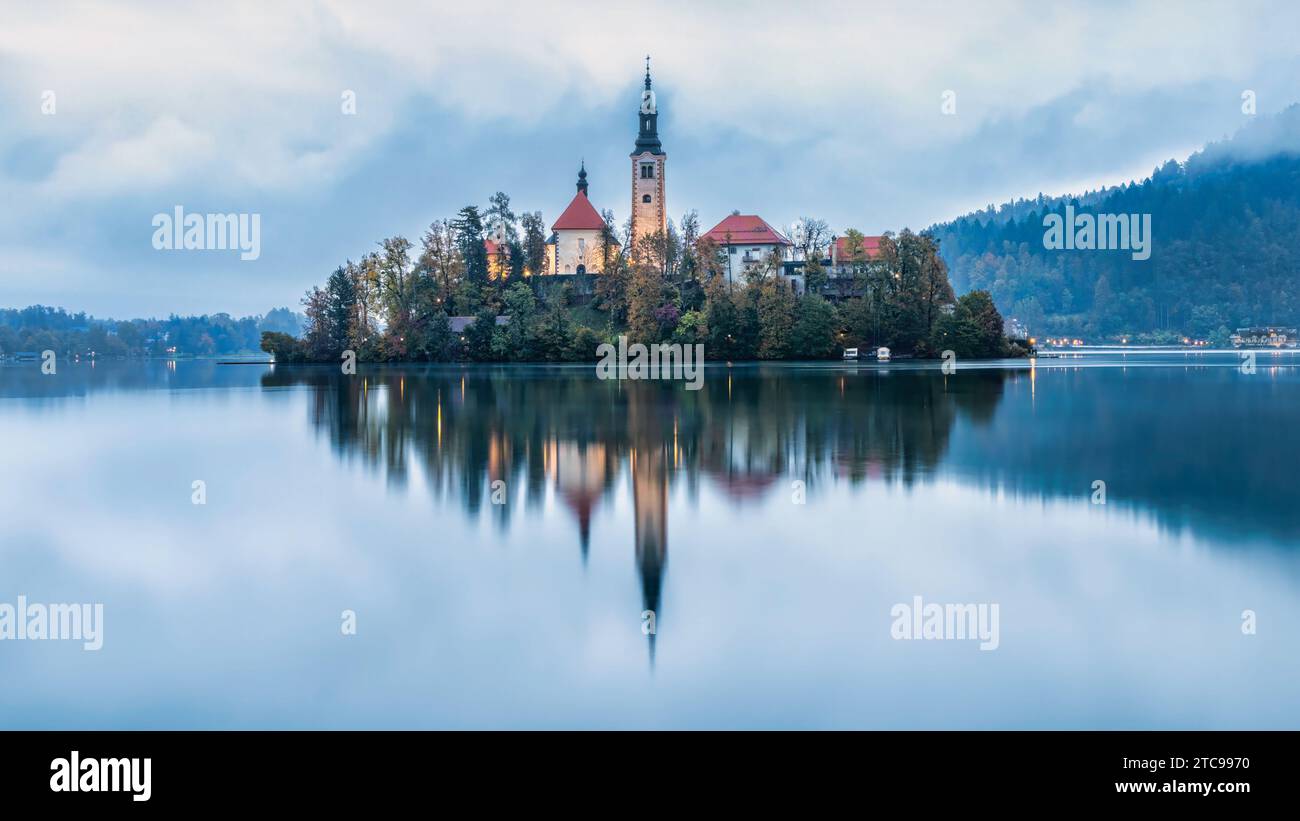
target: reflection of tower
580 472
650 500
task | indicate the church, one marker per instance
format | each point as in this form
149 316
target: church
578 243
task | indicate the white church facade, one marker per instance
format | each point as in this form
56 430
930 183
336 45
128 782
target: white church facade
578 243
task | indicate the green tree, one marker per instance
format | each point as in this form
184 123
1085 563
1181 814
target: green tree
282 347
478 335
521 307
973 329
775 309
813 336
534 242
554 334
342 309
583 345
468 227
499 220
692 328
440 261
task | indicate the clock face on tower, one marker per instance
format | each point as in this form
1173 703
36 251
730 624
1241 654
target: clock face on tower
647 102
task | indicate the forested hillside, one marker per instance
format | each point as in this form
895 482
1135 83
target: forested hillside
40 328
1225 247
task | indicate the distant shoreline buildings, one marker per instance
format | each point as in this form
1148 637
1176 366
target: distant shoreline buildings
1268 337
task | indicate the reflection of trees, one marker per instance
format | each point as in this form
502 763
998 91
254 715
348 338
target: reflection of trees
562 428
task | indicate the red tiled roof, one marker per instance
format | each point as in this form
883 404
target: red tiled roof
871 245
746 229
581 215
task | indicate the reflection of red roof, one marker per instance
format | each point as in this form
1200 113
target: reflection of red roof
871 245
740 486
746 229
581 215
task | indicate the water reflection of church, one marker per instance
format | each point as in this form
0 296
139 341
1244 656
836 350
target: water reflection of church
582 472
568 433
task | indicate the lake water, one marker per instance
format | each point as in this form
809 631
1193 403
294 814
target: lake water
374 494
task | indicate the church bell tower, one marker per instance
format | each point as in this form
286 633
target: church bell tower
649 215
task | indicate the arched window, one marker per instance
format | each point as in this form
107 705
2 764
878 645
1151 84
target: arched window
645 198
582 269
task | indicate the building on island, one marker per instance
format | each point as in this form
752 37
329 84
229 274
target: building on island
748 241
840 264
578 243
844 257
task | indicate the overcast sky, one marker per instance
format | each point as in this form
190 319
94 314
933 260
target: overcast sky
832 110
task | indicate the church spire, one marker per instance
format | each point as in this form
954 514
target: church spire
649 216
648 118
582 178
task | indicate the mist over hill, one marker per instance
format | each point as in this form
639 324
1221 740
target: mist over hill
1225 249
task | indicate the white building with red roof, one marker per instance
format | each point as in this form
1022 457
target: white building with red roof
576 244
844 257
749 241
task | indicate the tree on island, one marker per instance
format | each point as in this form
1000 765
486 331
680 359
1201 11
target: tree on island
973 330
468 227
534 242
674 285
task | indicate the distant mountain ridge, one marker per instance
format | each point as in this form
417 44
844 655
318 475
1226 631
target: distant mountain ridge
1225 251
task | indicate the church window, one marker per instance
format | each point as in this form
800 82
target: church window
645 198
647 171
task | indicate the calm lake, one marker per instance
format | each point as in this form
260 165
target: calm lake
771 521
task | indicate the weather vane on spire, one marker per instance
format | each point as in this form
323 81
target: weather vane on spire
647 71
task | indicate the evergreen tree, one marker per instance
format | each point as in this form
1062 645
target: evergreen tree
341 311
468 227
534 242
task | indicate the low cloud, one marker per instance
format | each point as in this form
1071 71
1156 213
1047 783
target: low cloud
830 109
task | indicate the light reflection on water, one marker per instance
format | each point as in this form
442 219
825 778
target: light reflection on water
375 493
